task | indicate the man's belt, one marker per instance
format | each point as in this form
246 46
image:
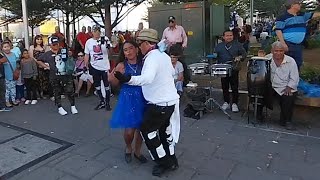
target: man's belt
169 103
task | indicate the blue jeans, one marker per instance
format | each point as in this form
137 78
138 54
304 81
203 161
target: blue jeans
2 93
179 86
295 51
19 92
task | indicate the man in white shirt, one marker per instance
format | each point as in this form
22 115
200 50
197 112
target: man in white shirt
284 80
161 124
178 71
96 50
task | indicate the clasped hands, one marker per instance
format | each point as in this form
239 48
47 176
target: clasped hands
122 77
287 91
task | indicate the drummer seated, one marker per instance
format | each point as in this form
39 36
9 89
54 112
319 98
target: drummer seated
284 80
178 71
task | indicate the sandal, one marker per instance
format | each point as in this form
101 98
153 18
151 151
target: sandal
141 158
127 156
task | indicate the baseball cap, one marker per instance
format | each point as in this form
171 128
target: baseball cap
148 35
171 18
96 28
53 40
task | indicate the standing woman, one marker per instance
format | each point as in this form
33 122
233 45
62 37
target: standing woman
129 111
35 51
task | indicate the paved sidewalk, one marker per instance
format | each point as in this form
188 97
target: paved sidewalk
210 148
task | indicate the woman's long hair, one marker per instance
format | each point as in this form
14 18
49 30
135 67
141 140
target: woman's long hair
122 57
35 41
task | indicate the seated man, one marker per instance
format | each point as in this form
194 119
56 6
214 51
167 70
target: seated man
284 79
178 67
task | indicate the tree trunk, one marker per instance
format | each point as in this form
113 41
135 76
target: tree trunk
107 22
67 35
32 34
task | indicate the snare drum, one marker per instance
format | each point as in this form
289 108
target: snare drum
221 70
199 68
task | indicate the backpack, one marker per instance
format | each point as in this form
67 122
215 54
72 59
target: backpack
194 110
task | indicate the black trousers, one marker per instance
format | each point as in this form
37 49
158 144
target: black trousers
157 133
97 77
286 107
31 88
232 81
2 93
63 83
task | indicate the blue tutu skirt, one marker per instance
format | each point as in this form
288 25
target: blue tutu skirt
129 109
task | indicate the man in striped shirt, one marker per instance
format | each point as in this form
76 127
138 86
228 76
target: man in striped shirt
291 29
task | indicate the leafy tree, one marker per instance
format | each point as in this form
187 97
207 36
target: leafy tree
72 9
102 8
38 12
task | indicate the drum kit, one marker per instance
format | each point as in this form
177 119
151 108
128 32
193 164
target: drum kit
214 71
258 76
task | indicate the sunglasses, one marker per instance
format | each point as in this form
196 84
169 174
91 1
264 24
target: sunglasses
80 55
54 44
170 21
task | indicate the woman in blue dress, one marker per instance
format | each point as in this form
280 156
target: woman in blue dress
129 110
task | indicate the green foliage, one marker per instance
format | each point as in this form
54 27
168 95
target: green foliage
38 10
308 73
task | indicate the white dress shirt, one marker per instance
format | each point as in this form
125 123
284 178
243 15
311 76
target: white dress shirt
286 74
156 78
158 85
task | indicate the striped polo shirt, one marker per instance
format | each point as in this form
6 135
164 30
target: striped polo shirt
293 27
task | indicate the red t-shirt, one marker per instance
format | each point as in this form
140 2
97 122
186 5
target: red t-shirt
83 37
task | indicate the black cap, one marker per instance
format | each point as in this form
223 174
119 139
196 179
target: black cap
171 18
53 40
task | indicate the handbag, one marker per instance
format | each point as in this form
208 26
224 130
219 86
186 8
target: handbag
16 72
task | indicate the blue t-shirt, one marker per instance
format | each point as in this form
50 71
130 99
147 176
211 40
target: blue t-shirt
293 28
7 69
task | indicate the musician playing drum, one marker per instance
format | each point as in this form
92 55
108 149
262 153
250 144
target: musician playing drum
230 52
285 80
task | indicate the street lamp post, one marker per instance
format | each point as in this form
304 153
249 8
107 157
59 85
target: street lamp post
25 23
251 12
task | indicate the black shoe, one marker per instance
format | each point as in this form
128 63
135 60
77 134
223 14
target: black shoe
128 157
101 105
290 126
141 159
175 164
108 107
158 170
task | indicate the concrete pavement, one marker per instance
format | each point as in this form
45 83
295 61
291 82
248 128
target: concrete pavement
210 148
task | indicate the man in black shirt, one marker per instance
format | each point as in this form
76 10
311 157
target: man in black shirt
55 61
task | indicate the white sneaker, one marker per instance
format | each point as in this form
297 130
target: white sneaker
63 96
62 112
225 106
52 99
34 102
74 110
27 102
234 108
